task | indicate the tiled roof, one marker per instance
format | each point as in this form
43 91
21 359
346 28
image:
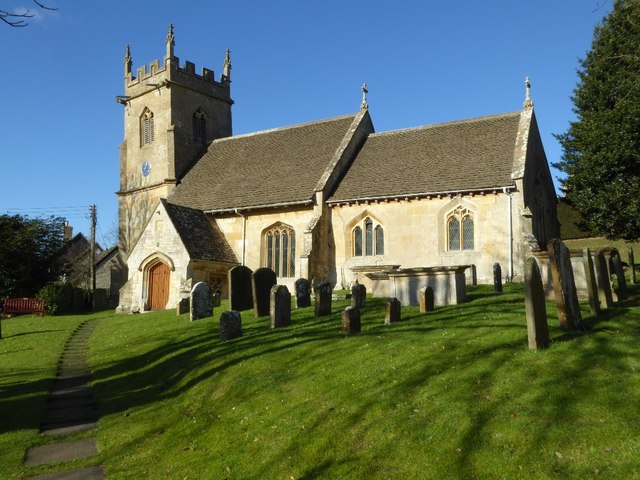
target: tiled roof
200 234
267 168
457 156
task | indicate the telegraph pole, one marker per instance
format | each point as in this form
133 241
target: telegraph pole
94 220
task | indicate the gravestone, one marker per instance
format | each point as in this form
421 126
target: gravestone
604 282
280 308
564 286
622 290
201 301
497 277
230 325
303 293
534 298
426 299
322 292
261 282
392 312
632 266
216 298
351 320
183 306
358 295
240 296
590 277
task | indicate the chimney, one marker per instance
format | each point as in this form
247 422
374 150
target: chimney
68 231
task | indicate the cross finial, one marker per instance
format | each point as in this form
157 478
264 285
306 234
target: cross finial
364 104
527 99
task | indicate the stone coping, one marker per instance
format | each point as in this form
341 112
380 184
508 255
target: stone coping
373 268
440 270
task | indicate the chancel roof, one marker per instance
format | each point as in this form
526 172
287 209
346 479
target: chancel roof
460 156
274 167
200 234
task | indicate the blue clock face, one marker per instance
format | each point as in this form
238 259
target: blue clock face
146 168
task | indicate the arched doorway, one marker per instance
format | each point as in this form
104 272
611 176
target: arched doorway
159 286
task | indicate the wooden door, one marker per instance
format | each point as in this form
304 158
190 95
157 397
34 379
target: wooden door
159 286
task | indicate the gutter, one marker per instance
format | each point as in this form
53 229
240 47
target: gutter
510 230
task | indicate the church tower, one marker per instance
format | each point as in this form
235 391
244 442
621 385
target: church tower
171 113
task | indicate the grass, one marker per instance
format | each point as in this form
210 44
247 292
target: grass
453 394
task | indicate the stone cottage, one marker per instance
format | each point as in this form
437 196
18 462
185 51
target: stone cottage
330 199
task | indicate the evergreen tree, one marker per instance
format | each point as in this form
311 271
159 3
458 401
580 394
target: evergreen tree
601 149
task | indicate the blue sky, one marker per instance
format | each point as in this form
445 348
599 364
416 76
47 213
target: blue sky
424 62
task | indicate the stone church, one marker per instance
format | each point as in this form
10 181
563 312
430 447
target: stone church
330 199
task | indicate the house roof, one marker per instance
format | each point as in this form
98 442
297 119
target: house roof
200 234
466 155
273 167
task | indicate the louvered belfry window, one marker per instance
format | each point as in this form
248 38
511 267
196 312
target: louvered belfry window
373 241
280 250
146 128
199 126
460 230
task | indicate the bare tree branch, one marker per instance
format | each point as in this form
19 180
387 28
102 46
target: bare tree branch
14 19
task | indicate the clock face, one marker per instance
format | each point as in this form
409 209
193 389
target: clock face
146 168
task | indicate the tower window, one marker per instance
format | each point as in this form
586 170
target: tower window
373 239
199 123
146 128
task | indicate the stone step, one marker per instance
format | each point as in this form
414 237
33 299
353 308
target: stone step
90 473
61 452
67 428
67 402
70 381
70 414
71 392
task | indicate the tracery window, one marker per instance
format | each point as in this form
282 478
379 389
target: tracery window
280 250
146 127
199 124
460 229
373 242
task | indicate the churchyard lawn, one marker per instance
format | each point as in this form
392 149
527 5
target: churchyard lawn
454 393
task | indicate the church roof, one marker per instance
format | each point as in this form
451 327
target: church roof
467 155
273 167
200 234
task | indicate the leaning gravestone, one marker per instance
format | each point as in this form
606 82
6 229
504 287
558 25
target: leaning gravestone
622 291
604 282
632 266
351 320
303 293
322 292
564 286
240 297
230 325
392 312
280 308
426 299
183 306
497 277
358 295
534 299
261 282
201 301
590 277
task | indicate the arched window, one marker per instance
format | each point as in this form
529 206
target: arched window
460 229
280 250
199 123
373 239
146 127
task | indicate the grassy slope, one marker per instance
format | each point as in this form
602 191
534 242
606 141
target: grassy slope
455 394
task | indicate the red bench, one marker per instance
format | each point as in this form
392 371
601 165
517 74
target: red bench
22 305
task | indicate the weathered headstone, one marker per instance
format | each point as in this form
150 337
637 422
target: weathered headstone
604 281
230 325
426 299
240 296
590 277
183 306
358 295
564 286
303 293
262 280
216 299
622 290
534 298
497 277
351 320
322 292
280 308
392 312
201 301
632 266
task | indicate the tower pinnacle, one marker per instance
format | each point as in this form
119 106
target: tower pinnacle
127 61
527 99
364 105
171 41
226 67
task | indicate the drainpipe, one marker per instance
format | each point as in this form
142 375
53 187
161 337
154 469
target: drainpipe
244 233
510 228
